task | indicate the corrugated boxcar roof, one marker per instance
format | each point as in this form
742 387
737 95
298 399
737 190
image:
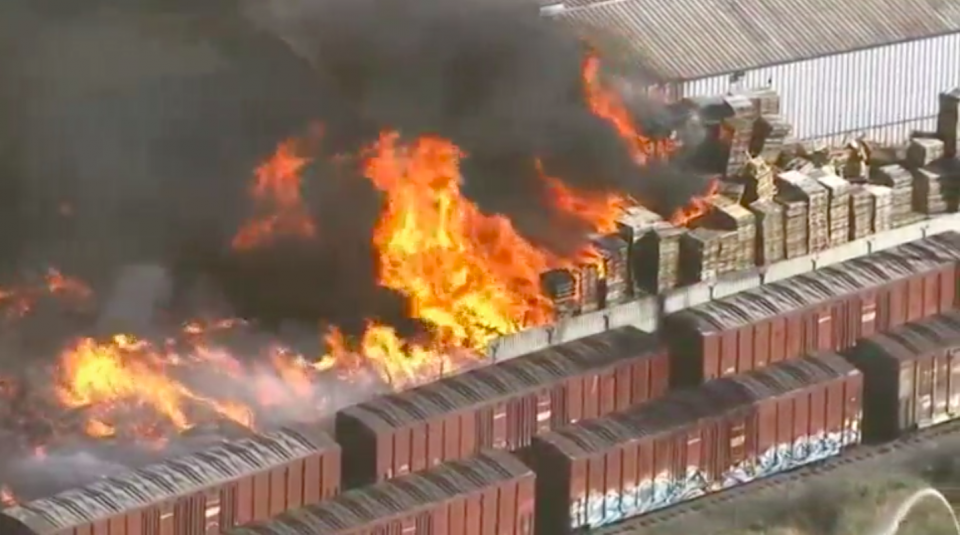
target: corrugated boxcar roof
683 408
403 495
524 373
690 39
823 284
167 480
918 339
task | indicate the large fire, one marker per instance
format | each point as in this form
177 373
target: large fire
470 277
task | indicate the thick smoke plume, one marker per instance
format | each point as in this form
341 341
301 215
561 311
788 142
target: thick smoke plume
131 129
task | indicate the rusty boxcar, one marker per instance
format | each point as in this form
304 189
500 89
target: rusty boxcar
825 310
490 494
200 494
721 434
500 406
912 376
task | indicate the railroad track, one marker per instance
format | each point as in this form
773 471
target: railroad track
855 456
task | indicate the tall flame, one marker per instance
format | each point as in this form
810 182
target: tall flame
277 192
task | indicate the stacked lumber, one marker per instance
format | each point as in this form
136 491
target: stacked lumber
769 137
931 185
738 124
757 179
856 163
560 285
796 186
738 249
948 121
900 181
768 215
861 212
838 205
923 151
881 207
702 252
654 250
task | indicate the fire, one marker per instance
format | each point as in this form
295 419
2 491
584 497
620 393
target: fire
125 372
17 302
470 275
277 191
696 207
601 209
7 497
608 105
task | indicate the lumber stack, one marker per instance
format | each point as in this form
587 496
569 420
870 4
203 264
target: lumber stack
738 124
768 215
900 181
882 207
796 186
838 206
948 121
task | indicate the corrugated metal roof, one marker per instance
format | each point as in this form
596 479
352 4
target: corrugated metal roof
690 39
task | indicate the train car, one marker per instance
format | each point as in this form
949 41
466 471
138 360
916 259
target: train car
825 310
500 406
722 434
200 494
912 376
492 493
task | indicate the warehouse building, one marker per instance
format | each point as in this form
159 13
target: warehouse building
843 68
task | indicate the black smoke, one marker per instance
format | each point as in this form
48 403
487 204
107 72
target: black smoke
129 131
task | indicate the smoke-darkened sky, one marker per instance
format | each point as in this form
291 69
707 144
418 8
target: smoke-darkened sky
129 132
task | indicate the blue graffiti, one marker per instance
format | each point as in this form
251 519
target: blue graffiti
601 509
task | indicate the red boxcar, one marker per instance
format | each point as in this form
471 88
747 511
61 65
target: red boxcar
500 406
724 433
490 494
912 376
825 310
200 494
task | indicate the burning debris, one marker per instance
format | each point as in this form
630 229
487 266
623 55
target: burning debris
417 168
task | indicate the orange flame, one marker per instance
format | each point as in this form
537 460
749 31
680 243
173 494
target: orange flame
601 209
608 105
697 207
277 190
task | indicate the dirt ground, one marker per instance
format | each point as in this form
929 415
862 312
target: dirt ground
848 501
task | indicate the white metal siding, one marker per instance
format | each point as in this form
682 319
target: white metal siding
884 92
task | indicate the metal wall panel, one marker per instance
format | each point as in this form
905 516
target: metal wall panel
884 92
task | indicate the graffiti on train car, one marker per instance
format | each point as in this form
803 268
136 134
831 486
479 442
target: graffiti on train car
666 489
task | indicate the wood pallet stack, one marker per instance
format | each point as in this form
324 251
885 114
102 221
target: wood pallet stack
770 136
838 206
794 226
856 163
739 123
701 254
948 121
930 189
615 258
560 285
861 212
900 181
768 215
793 186
757 179
654 250
882 207
738 250
923 151
588 286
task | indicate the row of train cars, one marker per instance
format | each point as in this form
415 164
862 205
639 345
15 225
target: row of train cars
582 434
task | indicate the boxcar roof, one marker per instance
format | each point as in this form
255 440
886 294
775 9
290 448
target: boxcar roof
167 480
394 498
916 340
824 284
716 399
484 385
